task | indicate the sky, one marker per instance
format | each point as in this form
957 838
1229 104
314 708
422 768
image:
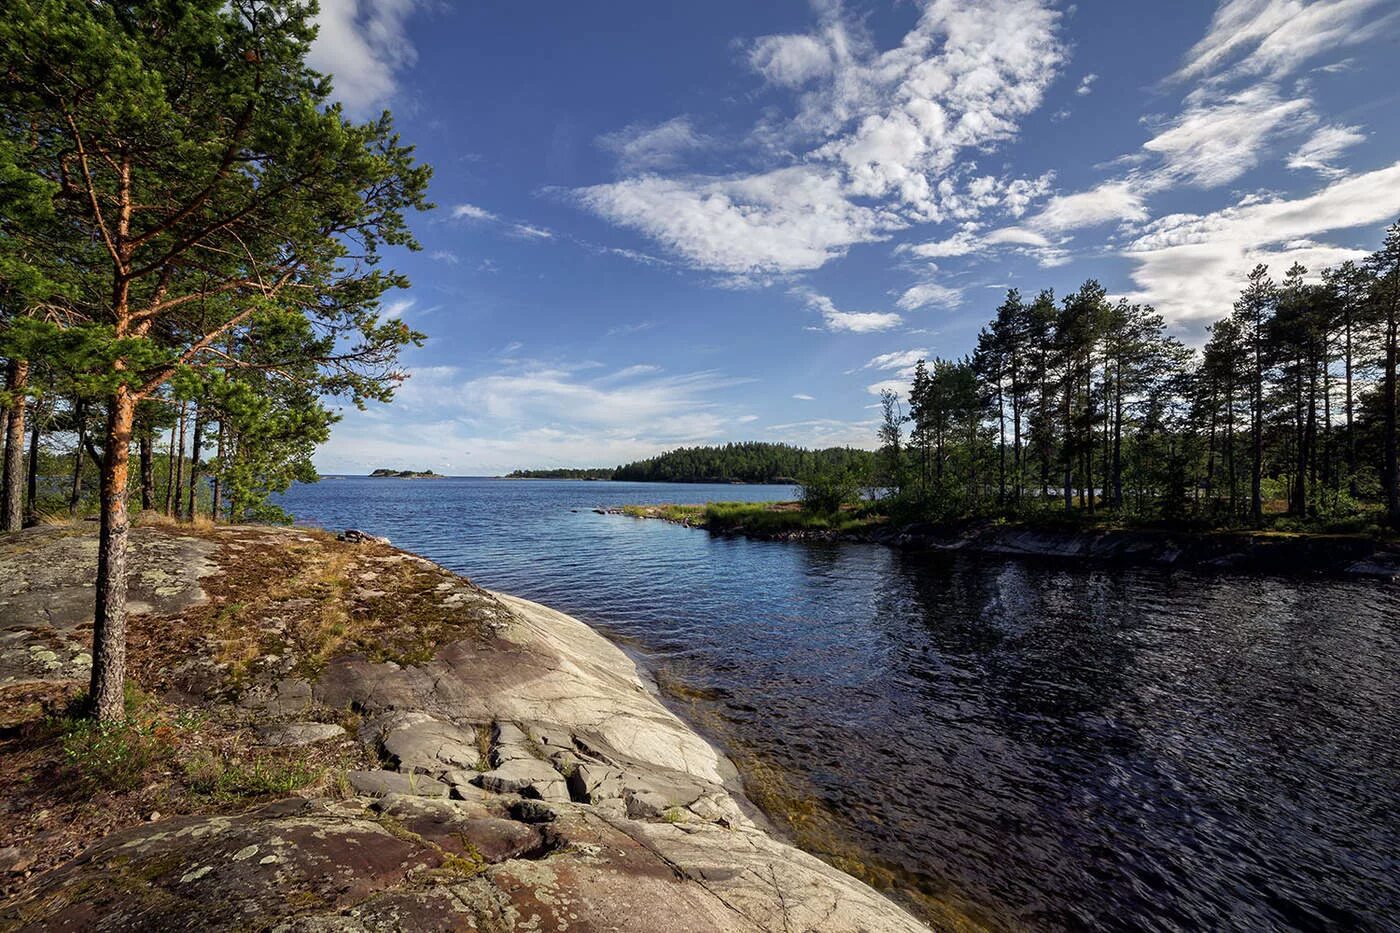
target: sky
665 224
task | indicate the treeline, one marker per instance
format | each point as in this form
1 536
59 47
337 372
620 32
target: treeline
748 462
1081 404
191 234
563 473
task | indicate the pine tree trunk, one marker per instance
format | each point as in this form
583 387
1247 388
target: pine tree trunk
170 472
218 495
148 469
31 481
12 479
195 444
1388 396
180 463
75 492
1351 430
1256 500
109 623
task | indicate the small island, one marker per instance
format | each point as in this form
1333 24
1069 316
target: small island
383 473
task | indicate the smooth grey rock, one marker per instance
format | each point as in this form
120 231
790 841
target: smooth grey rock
527 777
431 746
590 782
646 805
299 733
383 783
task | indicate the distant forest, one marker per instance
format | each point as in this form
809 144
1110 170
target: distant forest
749 462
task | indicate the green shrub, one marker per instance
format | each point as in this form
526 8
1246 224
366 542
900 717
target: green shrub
826 492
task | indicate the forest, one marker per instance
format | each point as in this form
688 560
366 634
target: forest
1285 418
191 245
744 462
747 462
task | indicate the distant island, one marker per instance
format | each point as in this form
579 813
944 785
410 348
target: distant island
748 462
383 473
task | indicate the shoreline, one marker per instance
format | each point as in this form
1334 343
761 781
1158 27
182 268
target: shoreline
1346 556
501 761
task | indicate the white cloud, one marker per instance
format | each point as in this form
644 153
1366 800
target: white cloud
364 46
396 309
887 127
900 361
1216 140
793 60
788 220
642 147
444 256
928 293
532 413
1273 37
857 322
1114 201
472 212
528 232
961 243
1191 266
1323 148
1086 85
801 397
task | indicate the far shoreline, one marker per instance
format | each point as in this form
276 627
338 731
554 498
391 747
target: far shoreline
1357 556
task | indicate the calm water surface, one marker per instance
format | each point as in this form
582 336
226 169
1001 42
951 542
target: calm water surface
1034 746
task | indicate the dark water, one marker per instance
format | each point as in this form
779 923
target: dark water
1035 746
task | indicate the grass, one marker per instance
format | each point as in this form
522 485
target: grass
223 777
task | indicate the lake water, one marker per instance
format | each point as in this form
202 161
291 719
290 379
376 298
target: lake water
1024 744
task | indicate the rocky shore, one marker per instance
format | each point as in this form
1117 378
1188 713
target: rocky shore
1343 556
483 762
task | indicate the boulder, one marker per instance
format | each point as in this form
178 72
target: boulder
356 536
383 783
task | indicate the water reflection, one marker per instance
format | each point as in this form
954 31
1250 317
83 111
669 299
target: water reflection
1032 745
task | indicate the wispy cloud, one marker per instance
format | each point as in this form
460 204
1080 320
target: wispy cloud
857 322
1323 148
648 147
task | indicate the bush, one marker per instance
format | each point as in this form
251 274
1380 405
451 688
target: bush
826 492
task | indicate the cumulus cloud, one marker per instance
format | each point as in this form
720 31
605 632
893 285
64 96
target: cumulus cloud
788 220
1191 265
364 46
856 322
1086 85
881 134
1323 147
793 60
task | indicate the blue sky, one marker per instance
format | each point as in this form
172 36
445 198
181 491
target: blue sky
663 224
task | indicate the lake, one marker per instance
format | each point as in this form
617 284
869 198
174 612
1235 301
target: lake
1025 744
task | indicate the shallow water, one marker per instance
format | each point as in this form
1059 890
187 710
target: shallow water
1031 745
